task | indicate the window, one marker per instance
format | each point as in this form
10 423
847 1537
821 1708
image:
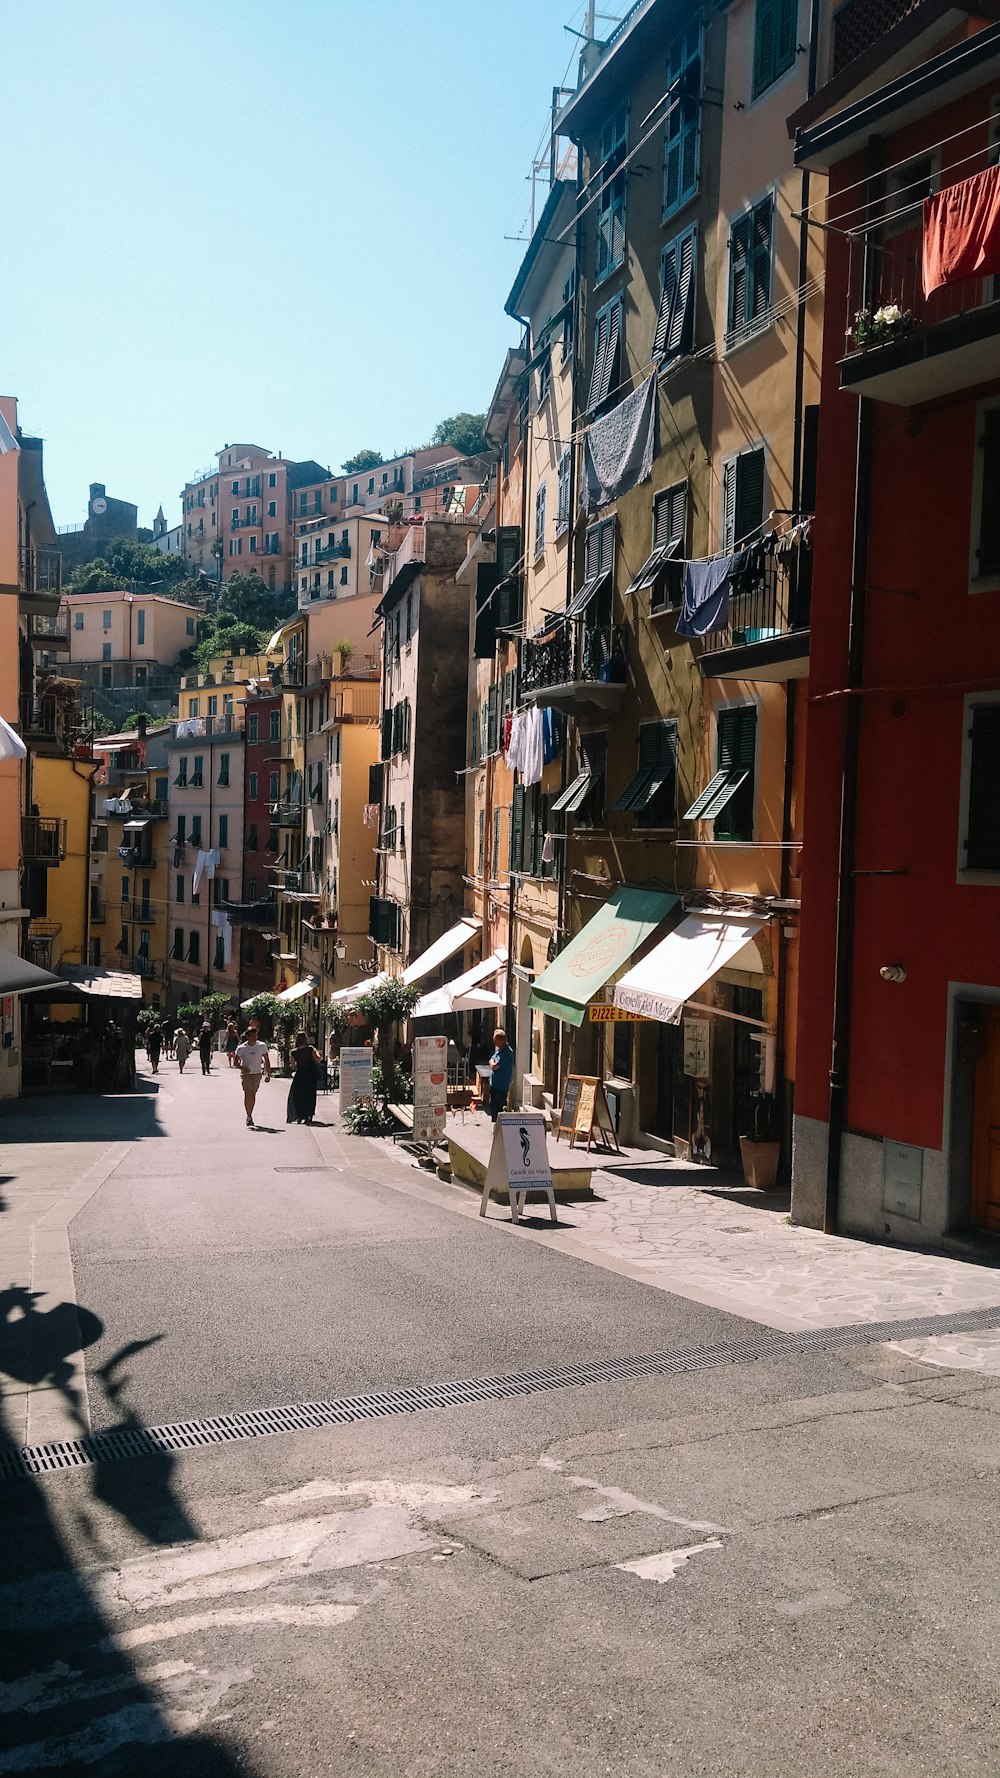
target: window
105 620
189 626
272 510
105 651
252 785
236 487
126 889
981 843
729 799
986 555
220 890
481 844
272 787
143 950
493 720
584 797
179 889
384 923
545 373
272 480
180 836
177 951
540 522
599 567
563 494
141 676
742 498
219 960
78 620
606 373
662 569
198 772
194 707
140 626
750 270
194 948
252 837
160 785
774 36
612 184
402 827
651 795
674 334
274 726
343 575
683 119
409 617
224 769
213 705
253 546
181 779
569 318
223 832
196 830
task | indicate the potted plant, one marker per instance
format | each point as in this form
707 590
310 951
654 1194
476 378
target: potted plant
875 327
384 1006
760 1146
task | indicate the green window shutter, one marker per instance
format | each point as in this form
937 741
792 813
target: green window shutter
729 504
484 730
606 546
759 299
474 739
482 843
749 498
508 548
739 274
982 842
737 737
765 45
387 734
492 720
517 829
495 855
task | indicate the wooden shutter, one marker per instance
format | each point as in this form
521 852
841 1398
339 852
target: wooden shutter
680 330
481 851
387 734
517 829
474 740
406 725
749 509
507 699
485 635
606 546
492 720
597 375
765 45
375 777
691 109
668 292
989 520
613 376
787 34
760 260
729 504
982 844
739 273
508 548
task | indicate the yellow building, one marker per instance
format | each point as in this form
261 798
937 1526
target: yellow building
130 862
58 929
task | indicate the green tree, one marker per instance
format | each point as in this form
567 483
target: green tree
227 639
384 1006
128 563
362 460
247 600
463 431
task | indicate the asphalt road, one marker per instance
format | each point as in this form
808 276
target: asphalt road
772 1568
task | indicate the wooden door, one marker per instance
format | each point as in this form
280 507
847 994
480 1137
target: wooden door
986 1137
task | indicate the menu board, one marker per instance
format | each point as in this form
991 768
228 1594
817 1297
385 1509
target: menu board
355 1075
585 1112
430 1088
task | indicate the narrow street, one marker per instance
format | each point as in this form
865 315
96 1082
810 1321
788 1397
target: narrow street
772 1560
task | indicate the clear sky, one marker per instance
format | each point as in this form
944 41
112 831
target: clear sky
277 221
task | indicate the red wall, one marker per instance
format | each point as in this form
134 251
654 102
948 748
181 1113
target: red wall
922 655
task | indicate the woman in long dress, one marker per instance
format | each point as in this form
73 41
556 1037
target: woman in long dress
305 1080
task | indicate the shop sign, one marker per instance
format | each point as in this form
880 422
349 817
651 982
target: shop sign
430 1088
355 1075
519 1162
615 1015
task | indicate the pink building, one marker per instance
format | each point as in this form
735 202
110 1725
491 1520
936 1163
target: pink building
236 518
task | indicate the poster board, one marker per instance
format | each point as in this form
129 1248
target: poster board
430 1088
355 1075
585 1112
696 1048
519 1162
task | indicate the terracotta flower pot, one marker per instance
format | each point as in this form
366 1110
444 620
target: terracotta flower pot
760 1163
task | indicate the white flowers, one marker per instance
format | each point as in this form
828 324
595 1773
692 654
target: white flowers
889 316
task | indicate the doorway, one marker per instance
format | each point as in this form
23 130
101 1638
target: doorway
986 1124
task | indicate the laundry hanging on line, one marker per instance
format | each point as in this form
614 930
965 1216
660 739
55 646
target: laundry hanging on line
962 231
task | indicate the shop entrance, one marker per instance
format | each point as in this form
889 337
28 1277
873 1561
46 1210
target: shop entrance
986 1124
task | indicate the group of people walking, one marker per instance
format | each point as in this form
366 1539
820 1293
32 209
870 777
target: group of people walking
249 1055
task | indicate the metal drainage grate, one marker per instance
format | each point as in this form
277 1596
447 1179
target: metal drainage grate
221 1429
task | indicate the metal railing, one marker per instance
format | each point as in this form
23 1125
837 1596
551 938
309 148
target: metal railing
40 570
767 602
43 839
63 721
885 297
284 814
575 653
52 624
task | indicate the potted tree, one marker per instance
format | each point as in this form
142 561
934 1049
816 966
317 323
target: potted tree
384 1006
760 1146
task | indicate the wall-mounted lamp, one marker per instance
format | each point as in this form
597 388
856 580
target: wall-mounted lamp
893 972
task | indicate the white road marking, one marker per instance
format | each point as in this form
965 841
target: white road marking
320 1617
665 1565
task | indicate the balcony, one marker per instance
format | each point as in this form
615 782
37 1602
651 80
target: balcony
287 675
142 912
58 722
259 916
39 580
141 964
302 884
43 839
329 552
942 343
286 814
43 945
49 630
98 911
195 728
767 638
577 666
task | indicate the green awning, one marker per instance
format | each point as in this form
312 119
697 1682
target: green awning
626 920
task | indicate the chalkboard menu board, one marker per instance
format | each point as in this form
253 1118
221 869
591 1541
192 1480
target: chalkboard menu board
585 1112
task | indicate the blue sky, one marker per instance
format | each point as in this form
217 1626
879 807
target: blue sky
271 220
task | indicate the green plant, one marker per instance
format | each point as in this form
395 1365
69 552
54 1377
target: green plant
265 1009
360 461
367 1117
345 650
384 1005
211 1008
399 1088
189 1014
148 1016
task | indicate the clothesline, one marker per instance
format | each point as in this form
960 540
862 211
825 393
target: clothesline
904 161
880 221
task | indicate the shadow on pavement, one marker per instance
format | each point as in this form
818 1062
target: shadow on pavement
83 1117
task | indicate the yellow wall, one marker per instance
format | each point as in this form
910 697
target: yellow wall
61 789
165 633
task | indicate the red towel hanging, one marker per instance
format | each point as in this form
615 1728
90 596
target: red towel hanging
962 231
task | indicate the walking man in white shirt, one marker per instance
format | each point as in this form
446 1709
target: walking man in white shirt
253 1061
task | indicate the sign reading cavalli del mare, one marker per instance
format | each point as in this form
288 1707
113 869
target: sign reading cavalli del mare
519 1162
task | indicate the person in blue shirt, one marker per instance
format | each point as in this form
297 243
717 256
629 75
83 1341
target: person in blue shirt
501 1073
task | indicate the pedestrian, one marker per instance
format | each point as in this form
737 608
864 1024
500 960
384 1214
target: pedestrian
253 1061
182 1048
232 1041
305 1079
205 1047
154 1044
168 1029
501 1073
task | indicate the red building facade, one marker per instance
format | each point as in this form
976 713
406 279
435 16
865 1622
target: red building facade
255 915
898 1091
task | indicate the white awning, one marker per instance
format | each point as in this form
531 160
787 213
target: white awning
344 996
109 984
444 947
11 744
307 985
464 993
684 961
